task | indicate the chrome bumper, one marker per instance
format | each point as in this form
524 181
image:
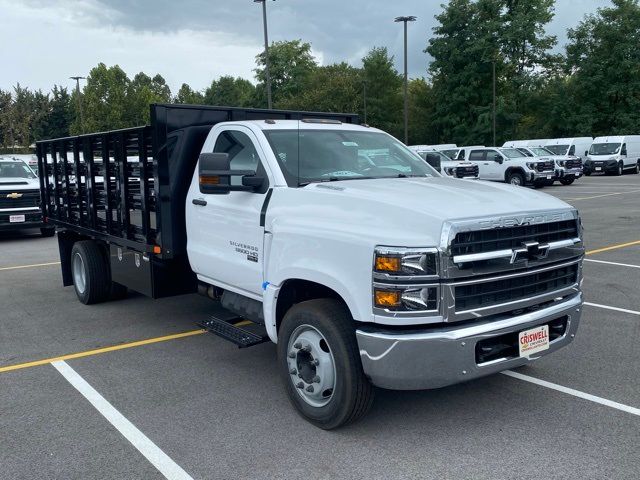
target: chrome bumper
436 358
534 175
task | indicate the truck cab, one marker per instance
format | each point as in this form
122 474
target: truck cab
20 198
511 166
614 155
335 241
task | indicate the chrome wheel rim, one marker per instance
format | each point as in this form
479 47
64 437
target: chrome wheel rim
311 365
79 273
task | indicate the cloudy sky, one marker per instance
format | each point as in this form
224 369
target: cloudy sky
46 41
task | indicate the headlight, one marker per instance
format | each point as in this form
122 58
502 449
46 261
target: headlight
404 262
561 163
450 171
418 298
531 165
405 280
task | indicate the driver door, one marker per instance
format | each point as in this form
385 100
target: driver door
225 235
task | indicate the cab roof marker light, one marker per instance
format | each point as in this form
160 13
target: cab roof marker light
322 120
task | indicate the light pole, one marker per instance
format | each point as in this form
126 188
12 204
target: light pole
77 79
266 51
364 98
405 20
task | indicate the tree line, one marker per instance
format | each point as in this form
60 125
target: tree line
477 47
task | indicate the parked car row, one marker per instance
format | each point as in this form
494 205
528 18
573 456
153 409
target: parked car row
539 162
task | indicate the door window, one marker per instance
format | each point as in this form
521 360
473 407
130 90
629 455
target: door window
572 150
477 155
624 149
242 152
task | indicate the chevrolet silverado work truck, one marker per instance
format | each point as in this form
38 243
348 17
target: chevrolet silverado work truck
335 241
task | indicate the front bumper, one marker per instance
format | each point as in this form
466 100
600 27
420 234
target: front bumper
447 355
569 173
32 219
605 166
535 175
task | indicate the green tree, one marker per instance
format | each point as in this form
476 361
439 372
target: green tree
384 91
186 95
104 100
332 88
603 59
6 119
291 65
143 91
231 92
421 112
60 113
464 47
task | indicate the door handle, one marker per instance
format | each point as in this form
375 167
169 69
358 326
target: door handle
199 201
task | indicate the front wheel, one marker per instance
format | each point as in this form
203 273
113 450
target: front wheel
567 181
320 365
47 232
515 179
620 170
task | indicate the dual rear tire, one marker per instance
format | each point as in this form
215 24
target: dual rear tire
92 275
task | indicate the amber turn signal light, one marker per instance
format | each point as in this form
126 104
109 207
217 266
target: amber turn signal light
209 180
387 298
388 263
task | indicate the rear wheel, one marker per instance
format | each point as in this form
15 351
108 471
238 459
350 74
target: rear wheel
637 169
567 181
515 179
90 272
320 365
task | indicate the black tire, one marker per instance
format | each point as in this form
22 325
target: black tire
353 393
539 184
516 178
636 170
620 169
97 281
567 181
47 232
548 183
587 173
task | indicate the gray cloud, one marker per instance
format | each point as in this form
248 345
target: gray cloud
228 33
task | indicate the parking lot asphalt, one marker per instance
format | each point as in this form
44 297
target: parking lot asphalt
219 412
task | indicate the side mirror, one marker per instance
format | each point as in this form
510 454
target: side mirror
586 152
214 171
498 158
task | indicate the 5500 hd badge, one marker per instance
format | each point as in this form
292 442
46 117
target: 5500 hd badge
250 251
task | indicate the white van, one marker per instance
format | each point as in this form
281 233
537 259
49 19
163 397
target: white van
567 147
444 164
614 155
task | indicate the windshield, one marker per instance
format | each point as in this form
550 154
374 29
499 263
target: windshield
540 152
604 148
15 170
558 149
511 153
307 156
452 154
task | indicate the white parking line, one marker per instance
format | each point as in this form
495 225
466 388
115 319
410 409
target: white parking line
575 393
165 465
611 263
607 307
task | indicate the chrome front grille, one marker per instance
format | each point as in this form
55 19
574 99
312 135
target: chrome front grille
479 295
21 199
501 265
482 241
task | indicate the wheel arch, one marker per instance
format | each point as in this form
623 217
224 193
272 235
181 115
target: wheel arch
511 170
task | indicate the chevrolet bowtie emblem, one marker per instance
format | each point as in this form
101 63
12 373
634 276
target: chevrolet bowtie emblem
14 195
530 251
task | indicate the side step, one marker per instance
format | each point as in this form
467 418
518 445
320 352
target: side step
227 330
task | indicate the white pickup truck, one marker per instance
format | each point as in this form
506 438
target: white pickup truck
511 166
386 275
445 165
568 168
20 198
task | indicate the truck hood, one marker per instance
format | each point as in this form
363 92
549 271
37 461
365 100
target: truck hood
17 184
403 211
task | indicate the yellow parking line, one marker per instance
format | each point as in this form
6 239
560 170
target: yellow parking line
613 247
30 266
98 351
